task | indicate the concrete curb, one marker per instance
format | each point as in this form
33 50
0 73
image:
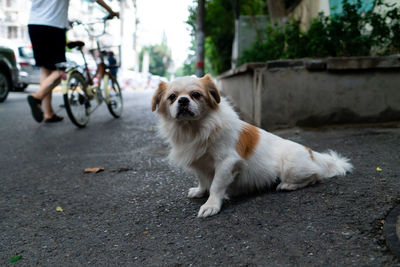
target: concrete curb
392 230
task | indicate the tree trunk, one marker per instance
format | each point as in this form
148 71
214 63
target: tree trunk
200 38
277 11
235 45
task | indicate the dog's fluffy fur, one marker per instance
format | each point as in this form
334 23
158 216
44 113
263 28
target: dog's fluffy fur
227 155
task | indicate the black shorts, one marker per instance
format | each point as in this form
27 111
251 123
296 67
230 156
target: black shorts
48 45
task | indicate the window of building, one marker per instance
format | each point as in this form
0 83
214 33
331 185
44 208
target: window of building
12 32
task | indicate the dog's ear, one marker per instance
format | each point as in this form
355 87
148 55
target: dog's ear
162 87
213 94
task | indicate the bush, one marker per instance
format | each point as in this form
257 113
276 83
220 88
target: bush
350 34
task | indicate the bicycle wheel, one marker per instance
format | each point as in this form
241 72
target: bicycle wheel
114 102
76 100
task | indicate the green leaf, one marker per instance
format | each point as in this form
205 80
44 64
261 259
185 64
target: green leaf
59 209
15 258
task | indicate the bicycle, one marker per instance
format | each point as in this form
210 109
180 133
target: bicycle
79 87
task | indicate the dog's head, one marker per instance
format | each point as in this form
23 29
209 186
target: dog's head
186 98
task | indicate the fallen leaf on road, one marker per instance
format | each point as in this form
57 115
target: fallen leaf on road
94 170
59 209
15 258
378 169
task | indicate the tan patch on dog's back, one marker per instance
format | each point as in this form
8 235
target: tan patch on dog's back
248 138
310 151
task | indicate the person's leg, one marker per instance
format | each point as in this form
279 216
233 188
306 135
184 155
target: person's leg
46 54
48 108
48 80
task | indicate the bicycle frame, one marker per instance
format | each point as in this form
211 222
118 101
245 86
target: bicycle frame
90 87
101 72
79 87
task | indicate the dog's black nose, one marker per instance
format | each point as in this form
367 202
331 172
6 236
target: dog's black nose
184 101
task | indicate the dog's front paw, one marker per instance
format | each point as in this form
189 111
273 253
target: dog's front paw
195 192
208 210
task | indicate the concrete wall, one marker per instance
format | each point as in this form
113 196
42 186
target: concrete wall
237 87
315 92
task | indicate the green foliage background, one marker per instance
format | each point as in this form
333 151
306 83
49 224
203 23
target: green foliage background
160 59
219 32
350 34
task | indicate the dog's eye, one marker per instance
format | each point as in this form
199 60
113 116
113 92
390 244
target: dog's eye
196 95
172 97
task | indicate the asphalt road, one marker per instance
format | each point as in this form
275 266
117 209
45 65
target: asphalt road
136 211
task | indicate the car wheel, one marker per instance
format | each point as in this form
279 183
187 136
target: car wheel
5 85
20 87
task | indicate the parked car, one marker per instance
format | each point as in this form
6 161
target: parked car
8 72
29 73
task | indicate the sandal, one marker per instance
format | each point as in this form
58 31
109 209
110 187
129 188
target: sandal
54 118
37 112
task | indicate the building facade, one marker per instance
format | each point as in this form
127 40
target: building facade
13 19
120 35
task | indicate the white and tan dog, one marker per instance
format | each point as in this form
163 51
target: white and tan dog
228 155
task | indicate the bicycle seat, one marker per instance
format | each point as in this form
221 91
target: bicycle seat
74 44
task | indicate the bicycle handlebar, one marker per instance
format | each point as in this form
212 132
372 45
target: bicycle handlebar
110 16
101 20
87 25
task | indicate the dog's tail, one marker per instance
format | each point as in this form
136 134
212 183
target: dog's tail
332 164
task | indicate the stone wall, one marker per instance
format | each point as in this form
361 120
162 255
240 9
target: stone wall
314 92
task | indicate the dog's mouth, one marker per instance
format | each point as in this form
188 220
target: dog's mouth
184 112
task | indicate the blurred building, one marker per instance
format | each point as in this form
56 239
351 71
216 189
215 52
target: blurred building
120 34
13 19
129 21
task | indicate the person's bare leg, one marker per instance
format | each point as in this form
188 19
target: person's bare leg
48 80
48 108
47 99
44 73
